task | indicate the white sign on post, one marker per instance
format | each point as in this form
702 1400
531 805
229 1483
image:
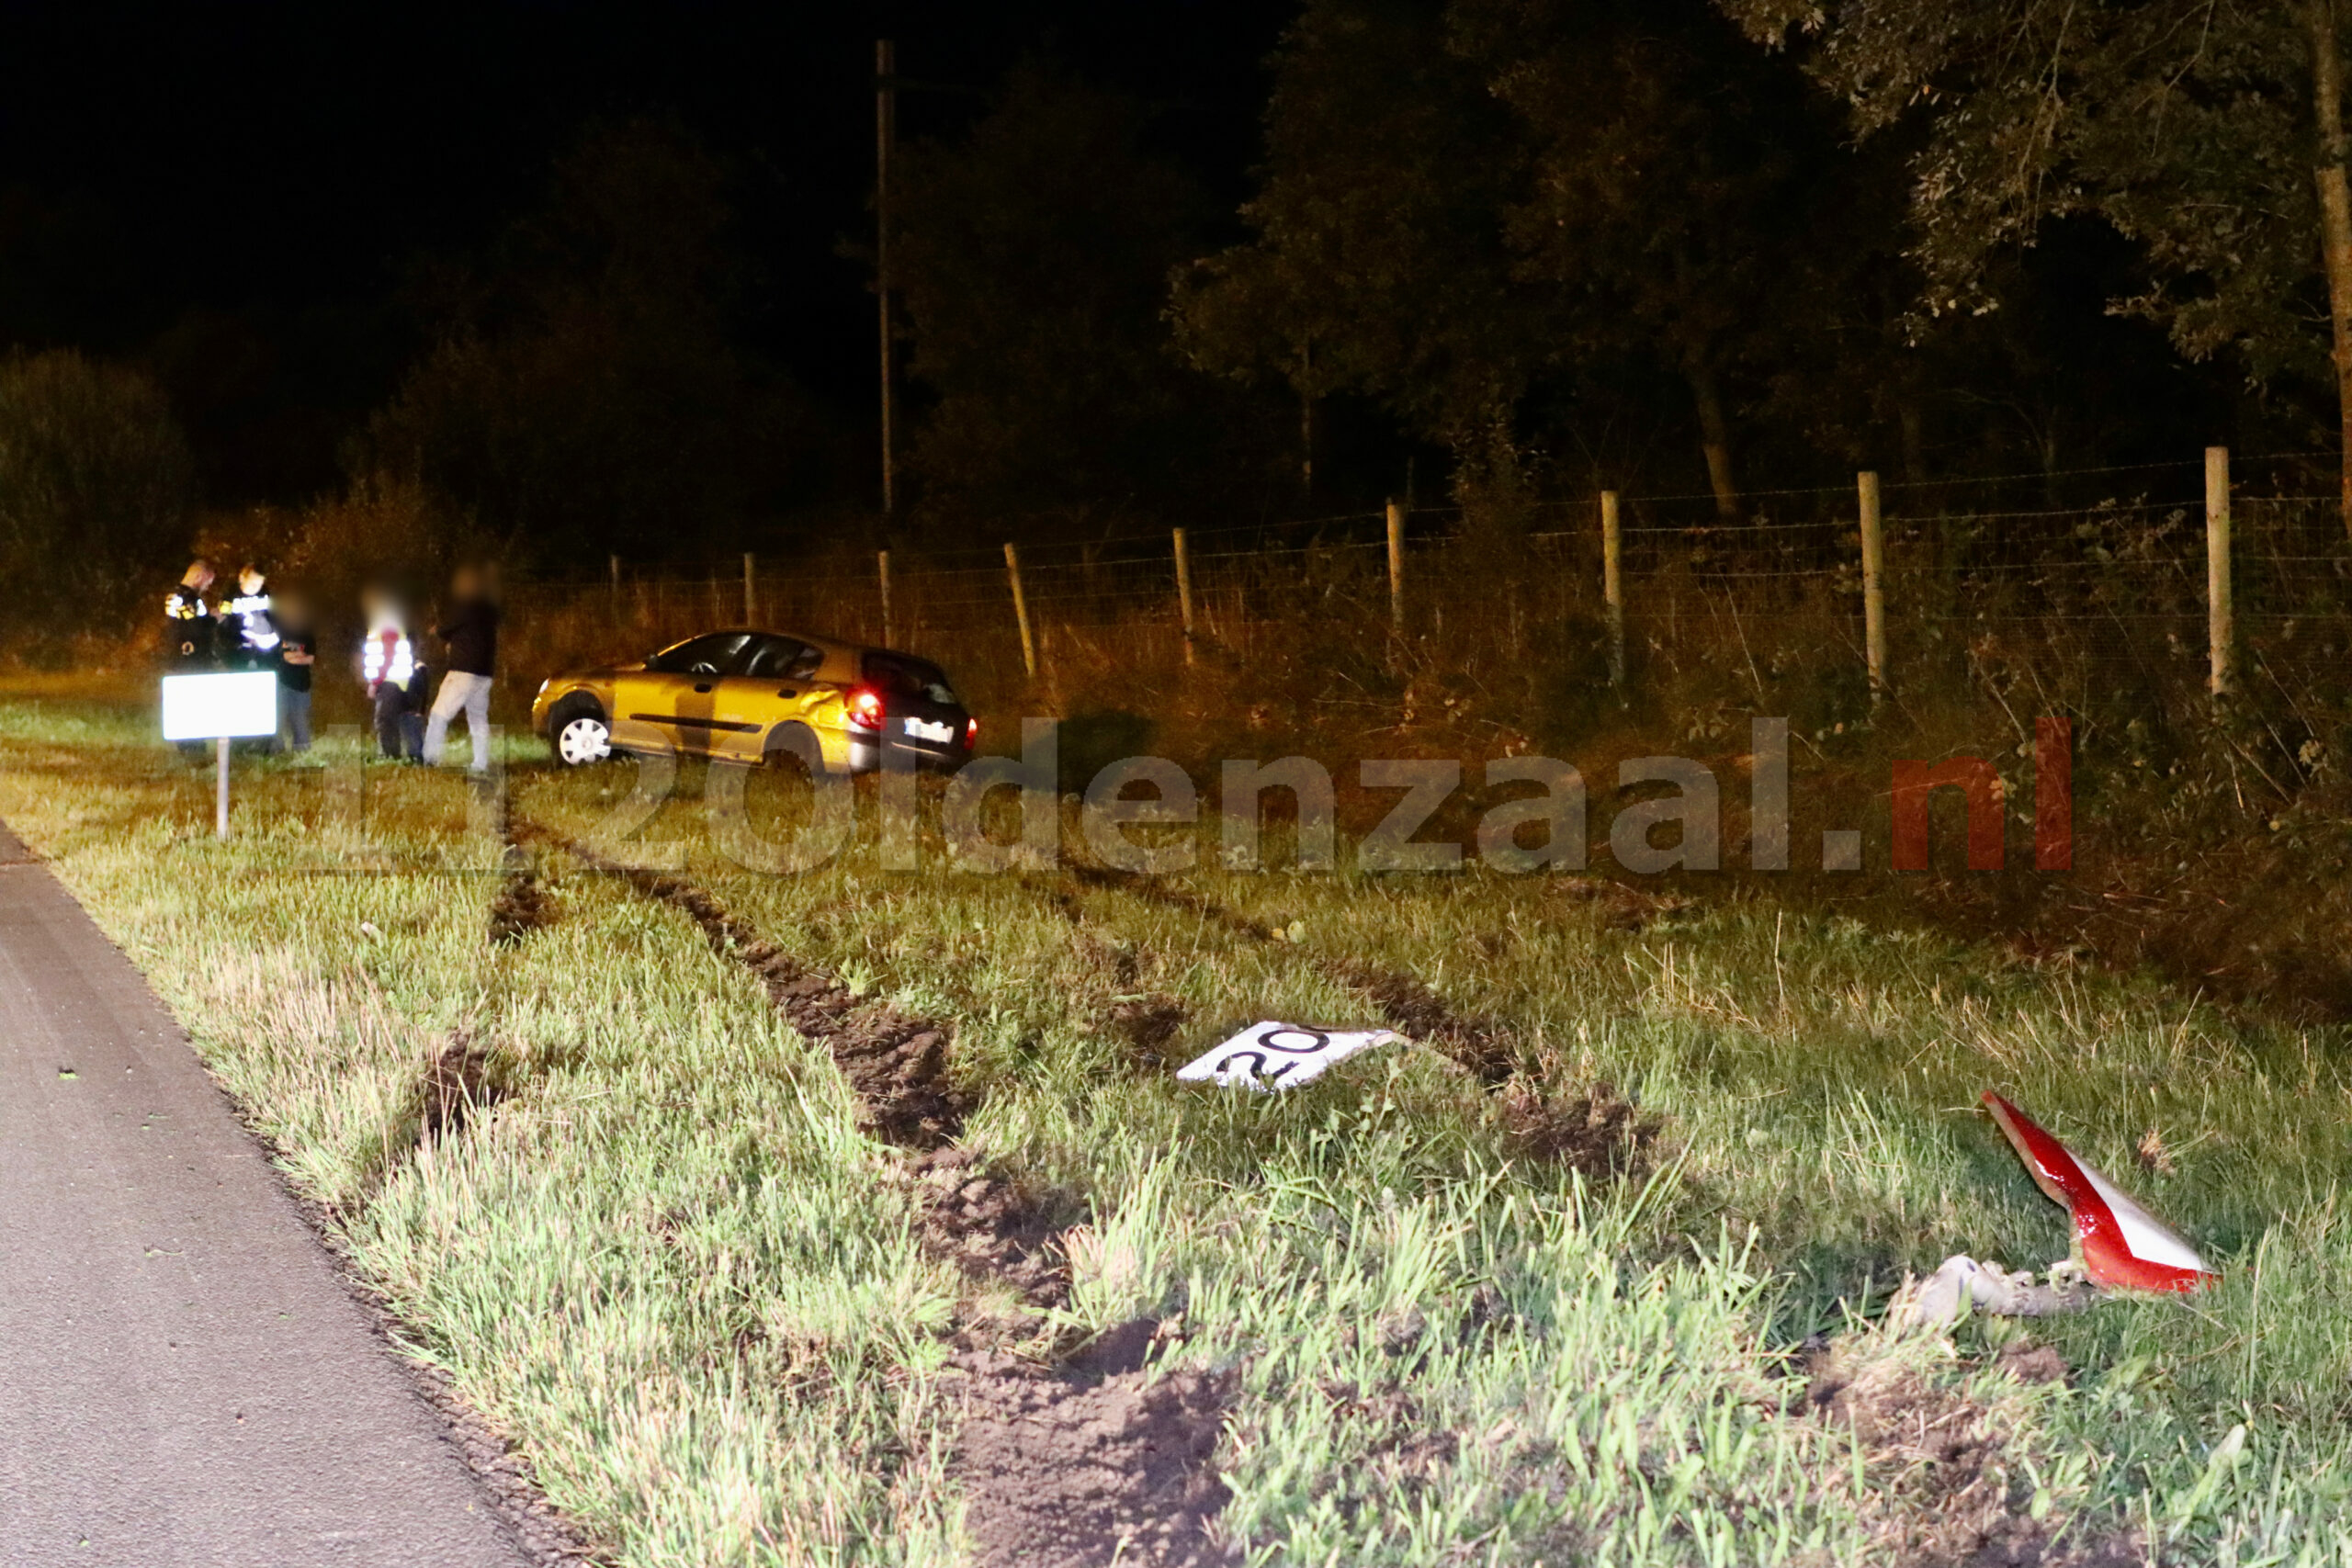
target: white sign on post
220 708
215 707
1267 1056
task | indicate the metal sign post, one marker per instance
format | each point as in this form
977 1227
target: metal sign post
220 708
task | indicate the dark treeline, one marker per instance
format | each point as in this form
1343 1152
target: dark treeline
1518 249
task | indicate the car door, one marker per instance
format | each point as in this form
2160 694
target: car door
669 705
768 684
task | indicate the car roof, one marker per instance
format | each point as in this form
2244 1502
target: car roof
830 645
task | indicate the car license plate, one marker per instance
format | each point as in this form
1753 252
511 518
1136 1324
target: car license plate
923 730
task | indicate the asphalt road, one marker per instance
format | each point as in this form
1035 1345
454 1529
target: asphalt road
183 1379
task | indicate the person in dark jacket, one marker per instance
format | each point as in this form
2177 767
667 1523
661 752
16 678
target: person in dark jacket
297 651
470 631
188 621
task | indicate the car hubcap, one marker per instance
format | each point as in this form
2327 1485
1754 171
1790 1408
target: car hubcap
584 741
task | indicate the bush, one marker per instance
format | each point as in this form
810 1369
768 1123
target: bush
95 479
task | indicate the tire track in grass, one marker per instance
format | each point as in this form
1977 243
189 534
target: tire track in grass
1146 1018
1069 1462
1595 1129
521 907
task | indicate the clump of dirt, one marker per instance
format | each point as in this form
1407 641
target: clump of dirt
521 907
1945 1488
1597 1131
2032 1363
1101 1461
994 1224
1485 1046
461 1081
1149 1021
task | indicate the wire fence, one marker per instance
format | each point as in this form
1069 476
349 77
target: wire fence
2120 558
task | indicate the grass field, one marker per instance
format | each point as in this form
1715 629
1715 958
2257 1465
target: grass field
857 1217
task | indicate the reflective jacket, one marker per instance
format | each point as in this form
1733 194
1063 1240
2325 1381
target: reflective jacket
249 636
188 628
386 659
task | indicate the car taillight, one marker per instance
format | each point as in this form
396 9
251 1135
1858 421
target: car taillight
865 707
971 732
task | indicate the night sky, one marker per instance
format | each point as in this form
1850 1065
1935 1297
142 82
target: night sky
233 194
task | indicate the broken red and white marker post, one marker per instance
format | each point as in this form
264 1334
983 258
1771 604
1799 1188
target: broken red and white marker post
2124 1247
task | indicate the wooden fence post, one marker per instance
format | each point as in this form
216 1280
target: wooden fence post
2220 638
1184 590
750 594
882 566
1020 609
1612 586
1873 585
1396 567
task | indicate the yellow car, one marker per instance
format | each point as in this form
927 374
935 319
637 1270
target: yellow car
746 694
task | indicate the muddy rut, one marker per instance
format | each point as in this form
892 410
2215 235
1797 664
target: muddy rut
1066 1462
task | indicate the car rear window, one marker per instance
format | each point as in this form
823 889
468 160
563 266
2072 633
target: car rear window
902 675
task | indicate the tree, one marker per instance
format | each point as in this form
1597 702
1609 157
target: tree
1675 189
94 483
1032 259
2210 131
1378 263
585 395
1487 211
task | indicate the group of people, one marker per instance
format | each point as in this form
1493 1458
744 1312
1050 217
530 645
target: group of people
253 629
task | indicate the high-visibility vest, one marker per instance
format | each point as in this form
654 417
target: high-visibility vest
387 656
256 633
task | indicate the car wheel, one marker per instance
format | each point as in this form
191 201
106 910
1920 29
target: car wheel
579 734
795 740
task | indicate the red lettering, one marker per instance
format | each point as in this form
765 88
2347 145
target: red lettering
2053 794
1916 780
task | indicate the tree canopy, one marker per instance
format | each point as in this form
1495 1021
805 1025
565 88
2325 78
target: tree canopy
2193 128
585 392
1031 257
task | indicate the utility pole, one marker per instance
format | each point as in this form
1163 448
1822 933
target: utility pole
886 118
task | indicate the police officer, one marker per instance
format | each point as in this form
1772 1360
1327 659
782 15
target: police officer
249 635
188 622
